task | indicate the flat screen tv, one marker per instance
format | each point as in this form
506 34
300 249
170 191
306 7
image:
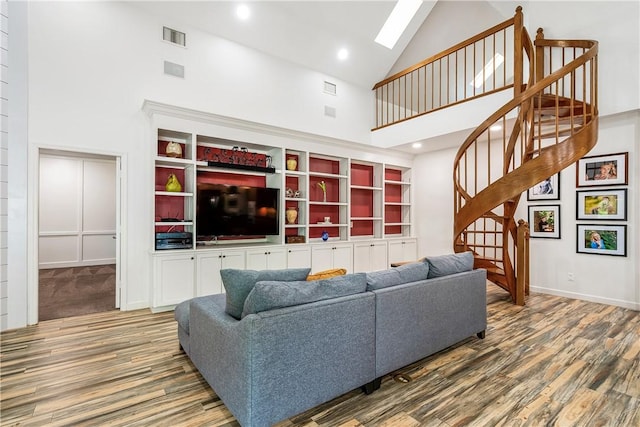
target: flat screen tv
234 210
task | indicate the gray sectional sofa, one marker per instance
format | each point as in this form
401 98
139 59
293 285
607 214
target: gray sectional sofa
295 344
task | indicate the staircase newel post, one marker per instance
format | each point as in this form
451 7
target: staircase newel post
522 262
518 55
539 56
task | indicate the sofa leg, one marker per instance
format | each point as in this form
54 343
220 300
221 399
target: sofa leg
481 335
369 388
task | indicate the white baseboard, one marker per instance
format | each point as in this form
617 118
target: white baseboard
591 298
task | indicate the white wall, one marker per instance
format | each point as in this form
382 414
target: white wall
4 169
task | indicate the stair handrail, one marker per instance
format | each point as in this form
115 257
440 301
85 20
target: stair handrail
562 119
515 21
516 102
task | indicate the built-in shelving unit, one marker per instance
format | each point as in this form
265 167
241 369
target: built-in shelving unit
397 201
174 210
363 214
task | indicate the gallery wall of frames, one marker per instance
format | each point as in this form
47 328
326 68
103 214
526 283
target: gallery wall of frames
601 205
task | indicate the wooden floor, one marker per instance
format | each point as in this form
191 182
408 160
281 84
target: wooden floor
555 361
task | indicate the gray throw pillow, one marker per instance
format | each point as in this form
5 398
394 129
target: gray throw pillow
269 295
238 284
445 265
405 273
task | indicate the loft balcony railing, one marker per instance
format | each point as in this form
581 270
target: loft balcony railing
479 66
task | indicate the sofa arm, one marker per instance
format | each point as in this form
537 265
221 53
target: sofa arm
220 349
275 364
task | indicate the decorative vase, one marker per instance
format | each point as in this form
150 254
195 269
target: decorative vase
325 235
173 149
292 215
173 184
292 164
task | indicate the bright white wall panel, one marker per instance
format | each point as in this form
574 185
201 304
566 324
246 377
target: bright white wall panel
98 248
60 197
58 249
99 196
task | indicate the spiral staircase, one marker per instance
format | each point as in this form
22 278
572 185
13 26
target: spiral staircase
551 122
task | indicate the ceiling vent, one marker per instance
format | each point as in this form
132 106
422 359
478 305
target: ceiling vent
330 111
329 88
172 69
174 36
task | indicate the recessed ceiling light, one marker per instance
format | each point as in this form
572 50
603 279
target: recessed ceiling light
417 145
343 54
397 22
243 12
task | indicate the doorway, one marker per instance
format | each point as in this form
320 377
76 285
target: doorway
78 243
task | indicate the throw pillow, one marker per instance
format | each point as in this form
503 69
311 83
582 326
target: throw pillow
238 284
327 274
406 273
269 295
445 265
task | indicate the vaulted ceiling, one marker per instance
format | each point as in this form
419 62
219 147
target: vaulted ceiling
307 33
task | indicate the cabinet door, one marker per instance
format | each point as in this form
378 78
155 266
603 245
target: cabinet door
378 256
402 250
257 259
361 257
321 258
209 265
298 256
343 257
173 279
267 258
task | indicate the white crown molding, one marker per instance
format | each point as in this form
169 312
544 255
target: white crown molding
152 108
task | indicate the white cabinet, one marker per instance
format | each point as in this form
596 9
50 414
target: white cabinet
266 258
370 256
403 250
332 255
173 278
298 256
209 264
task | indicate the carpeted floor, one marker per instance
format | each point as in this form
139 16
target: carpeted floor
66 292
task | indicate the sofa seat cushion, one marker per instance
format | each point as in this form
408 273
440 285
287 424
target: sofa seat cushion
406 273
239 283
269 295
444 265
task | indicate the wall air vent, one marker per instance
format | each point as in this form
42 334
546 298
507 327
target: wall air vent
172 69
329 111
174 36
329 88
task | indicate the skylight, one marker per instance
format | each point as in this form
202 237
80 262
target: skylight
397 22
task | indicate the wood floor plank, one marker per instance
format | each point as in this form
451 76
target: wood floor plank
553 362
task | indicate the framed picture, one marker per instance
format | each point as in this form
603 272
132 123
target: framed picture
544 221
602 239
601 204
608 169
549 189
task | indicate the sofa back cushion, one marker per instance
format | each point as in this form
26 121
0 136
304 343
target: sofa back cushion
269 294
239 283
444 265
405 273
